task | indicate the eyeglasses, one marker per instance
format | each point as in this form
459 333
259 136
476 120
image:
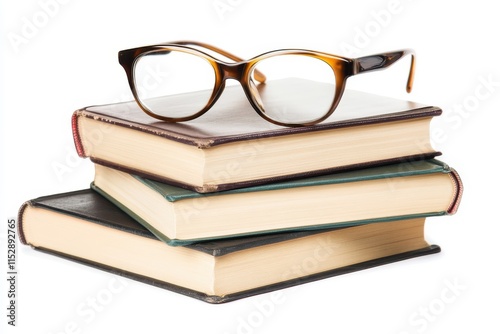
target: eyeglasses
290 87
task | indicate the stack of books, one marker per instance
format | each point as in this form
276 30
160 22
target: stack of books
228 205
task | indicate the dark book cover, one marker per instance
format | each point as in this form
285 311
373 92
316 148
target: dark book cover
90 206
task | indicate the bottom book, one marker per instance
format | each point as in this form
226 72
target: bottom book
85 227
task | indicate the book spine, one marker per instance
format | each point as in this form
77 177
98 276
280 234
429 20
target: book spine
20 225
80 150
459 188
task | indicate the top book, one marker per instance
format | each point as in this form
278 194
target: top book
232 147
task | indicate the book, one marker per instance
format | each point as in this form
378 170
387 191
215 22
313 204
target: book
232 147
180 216
83 226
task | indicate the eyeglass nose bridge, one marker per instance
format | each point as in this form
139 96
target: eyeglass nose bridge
238 72
234 71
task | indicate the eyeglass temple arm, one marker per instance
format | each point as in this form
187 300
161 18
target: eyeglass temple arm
384 60
259 76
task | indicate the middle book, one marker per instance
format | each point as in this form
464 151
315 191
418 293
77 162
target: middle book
179 216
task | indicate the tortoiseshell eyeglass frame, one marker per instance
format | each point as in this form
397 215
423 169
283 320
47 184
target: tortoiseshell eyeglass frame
243 70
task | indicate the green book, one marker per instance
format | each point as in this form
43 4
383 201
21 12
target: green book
179 216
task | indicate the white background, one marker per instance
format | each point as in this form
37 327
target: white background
60 56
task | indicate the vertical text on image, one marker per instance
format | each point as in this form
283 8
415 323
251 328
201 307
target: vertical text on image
12 289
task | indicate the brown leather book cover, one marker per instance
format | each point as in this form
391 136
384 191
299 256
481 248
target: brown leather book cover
232 119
